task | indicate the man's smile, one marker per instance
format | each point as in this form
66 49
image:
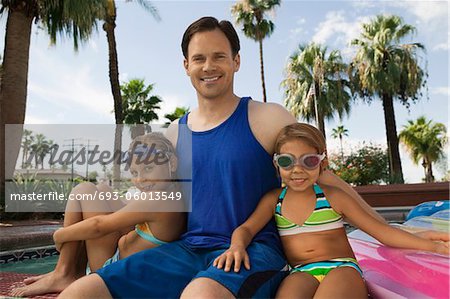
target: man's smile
210 79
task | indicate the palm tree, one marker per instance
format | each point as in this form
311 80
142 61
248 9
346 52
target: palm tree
340 132
74 18
386 68
109 25
251 13
27 141
1 70
425 141
314 79
39 148
176 114
139 105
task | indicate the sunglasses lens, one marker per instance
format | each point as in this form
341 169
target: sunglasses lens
311 161
284 161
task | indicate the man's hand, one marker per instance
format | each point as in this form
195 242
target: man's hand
236 254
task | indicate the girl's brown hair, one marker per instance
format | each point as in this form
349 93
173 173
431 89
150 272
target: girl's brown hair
156 138
307 133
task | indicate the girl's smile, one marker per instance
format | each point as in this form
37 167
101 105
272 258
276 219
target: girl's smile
298 178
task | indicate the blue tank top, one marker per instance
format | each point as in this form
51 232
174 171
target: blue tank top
231 171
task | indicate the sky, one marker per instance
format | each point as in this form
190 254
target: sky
68 87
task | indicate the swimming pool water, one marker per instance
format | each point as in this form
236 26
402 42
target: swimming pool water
32 266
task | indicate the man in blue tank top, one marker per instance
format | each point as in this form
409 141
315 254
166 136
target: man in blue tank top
232 144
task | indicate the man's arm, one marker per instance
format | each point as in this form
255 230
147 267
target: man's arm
329 178
172 132
266 121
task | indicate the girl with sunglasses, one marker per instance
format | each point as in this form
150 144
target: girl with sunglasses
309 218
141 224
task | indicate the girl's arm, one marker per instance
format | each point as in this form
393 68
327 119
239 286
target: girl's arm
244 234
99 226
381 231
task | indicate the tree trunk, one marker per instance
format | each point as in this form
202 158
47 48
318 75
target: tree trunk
117 161
109 27
430 172
424 165
320 122
261 60
321 125
395 164
24 155
429 175
114 71
13 90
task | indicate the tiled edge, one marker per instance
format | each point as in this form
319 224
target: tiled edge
13 256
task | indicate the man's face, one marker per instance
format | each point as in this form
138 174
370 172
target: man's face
211 65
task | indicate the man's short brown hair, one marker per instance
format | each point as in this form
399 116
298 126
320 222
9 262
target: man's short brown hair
210 24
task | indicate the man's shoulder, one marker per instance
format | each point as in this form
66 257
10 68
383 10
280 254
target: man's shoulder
275 113
262 108
266 120
172 132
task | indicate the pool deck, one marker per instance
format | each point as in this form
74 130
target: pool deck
16 235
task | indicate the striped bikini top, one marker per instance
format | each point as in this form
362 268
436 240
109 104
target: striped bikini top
322 218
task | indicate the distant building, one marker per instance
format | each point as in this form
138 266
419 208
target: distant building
48 174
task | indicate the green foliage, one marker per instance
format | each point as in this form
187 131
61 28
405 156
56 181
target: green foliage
251 14
384 65
35 147
61 186
139 106
386 68
340 132
28 184
92 177
75 18
72 18
425 142
179 112
368 165
313 75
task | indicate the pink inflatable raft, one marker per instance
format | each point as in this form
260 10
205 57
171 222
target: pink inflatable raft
399 273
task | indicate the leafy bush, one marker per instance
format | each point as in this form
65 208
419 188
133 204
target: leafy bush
368 165
23 184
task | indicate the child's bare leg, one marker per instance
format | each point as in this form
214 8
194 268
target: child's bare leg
297 285
72 260
344 282
101 249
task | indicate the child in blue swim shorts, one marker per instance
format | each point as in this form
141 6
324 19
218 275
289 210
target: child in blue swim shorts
108 236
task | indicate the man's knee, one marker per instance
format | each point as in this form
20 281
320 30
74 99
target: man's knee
205 288
91 286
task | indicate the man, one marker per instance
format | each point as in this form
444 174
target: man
232 146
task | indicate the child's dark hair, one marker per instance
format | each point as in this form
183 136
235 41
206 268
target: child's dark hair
210 24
